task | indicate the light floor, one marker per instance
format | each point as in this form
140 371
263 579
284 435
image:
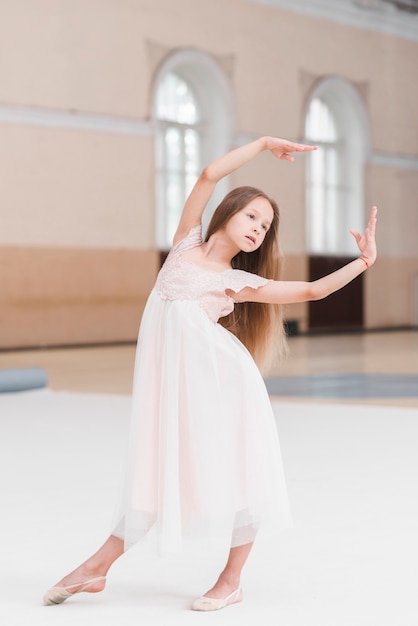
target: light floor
352 474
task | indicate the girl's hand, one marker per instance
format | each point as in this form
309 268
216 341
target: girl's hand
367 242
282 148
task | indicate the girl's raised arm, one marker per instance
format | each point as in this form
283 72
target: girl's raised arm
288 292
215 171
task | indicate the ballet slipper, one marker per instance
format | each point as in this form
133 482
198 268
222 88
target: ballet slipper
214 604
57 595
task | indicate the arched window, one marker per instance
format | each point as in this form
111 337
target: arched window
178 148
194 121
325 191
336 122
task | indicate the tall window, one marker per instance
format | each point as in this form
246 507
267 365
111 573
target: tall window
178 147
194 120
324 185
336 122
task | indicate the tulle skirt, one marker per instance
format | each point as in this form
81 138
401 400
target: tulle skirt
204 459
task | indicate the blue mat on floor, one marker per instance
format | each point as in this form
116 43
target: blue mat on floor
345 386
22 379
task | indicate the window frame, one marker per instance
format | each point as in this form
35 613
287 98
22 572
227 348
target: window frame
352 146
213 92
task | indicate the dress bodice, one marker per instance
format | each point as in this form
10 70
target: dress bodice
180 279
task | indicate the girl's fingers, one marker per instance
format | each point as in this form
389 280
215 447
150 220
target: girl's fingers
281 145
373 218
306 147
300 147
356 235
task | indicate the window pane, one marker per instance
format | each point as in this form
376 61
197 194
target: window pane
317 198
178 150
174 203
331 166
191 150
190 181
173 148
323 172
176 101
320 123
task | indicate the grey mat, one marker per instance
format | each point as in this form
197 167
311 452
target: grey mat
22 379
345 386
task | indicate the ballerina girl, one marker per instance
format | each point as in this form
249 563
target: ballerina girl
204 457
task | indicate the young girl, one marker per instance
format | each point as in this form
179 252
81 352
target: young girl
204 456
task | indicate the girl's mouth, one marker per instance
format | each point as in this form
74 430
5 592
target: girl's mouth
250 238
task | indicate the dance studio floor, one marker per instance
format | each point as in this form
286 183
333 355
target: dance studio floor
351 558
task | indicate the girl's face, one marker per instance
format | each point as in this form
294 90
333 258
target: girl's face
248 227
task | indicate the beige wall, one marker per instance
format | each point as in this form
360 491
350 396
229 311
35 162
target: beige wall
78 204
76 188
389 294
57 296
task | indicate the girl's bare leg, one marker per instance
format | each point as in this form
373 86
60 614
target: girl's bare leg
97 565
229 579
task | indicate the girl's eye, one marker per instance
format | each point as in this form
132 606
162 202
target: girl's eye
251 216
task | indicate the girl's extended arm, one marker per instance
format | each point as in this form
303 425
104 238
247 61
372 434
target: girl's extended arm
212 174
287 292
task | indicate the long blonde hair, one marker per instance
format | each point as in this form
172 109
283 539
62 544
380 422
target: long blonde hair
259 326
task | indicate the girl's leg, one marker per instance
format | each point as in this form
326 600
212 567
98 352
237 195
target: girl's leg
229 579
97 565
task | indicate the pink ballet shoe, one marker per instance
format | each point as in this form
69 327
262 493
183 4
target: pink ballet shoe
214 604
57 595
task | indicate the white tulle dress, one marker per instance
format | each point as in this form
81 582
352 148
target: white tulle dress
204 458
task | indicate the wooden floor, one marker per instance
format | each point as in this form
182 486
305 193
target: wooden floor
109 369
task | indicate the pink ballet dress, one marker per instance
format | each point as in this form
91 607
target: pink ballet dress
204 458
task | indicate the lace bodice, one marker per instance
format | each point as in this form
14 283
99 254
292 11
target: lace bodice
180 279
